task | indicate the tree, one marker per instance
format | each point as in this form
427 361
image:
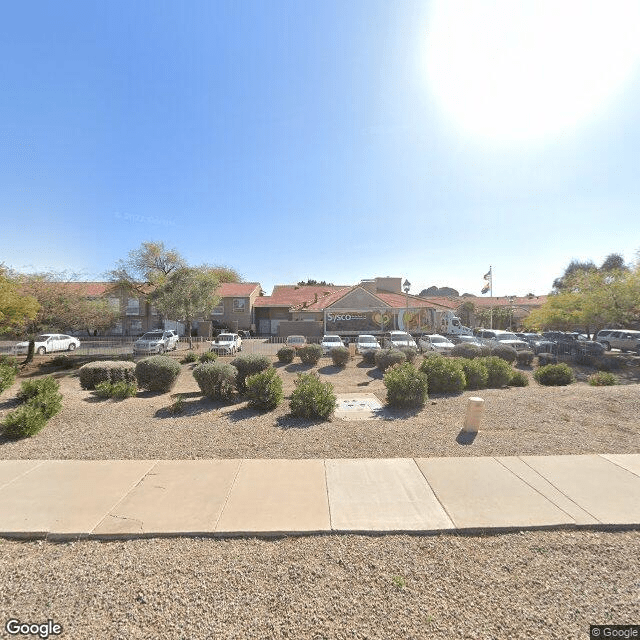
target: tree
575 266
614 262
16 309
186 294
466 312
317 283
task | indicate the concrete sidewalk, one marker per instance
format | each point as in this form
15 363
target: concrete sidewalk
68 499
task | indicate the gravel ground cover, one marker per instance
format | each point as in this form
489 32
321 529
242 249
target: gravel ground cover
548 585
531 420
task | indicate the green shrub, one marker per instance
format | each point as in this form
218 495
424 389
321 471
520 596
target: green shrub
7 376
386 358
602 379
547 358
312 398
340 356
24 422
445 375
157 373
217 380
475 373
208 356
249 365
31 388
525 358
410 353
9 361
466 350
119 390
264 390
505 352
406 386
189 357
177 406
518 379
498 371
286 355
554 375
369 357
93 373
310 353
62 361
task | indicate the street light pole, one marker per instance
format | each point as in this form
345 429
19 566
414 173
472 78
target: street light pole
406 285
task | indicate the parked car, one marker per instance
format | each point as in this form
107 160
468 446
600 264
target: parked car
623 339
156 342
331 342
366 343
498 336
227 344
296 341
466 340
397 339
435 342
49 342
540 344
571 344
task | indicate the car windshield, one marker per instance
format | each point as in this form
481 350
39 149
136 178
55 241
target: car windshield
401 336
44 337
507 336
291 339
366 339
152 336
224 337
332 339
438 339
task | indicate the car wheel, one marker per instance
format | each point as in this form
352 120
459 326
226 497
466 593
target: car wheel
41 351
160 350
72 347
607 346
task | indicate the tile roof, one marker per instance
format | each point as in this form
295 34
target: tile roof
230 289
289 295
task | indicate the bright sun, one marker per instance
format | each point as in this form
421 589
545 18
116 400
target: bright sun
521 70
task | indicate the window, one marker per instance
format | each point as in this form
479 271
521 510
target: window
239 305
218 311
117 329
114 303
133 307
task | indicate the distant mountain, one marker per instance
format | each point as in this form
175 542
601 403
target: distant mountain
438 291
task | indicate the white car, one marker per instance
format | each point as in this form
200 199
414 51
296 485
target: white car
467 340
396 339
330 342
49 342
156 342
366 343
435 342
510 339
227 343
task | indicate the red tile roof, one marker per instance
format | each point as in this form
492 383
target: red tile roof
230 289
289 295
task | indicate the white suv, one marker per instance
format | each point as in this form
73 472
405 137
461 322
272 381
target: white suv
623 339
330 342
227 343
156 342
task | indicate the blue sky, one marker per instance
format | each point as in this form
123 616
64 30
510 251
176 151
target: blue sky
332 140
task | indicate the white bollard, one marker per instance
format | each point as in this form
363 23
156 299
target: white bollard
475 407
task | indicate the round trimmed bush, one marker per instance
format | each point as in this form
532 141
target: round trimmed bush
445 375
410 353
406 386
310 353
498 372
602 379
386 358
286 355
312 398
157 373
524 358
518 379
475 373
248 365
93 373
208 356
264 390
189 357
466 350
340 356
369 357
547 358
504 351
217 380
554 375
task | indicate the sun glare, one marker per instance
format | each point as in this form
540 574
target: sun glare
513 71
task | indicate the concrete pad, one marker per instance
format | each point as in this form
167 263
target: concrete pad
176 496
382 495
537 482
360 406
606 491
482 493
12 469
277 497
629 461
67 496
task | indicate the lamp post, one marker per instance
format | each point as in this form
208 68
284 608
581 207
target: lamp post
406 285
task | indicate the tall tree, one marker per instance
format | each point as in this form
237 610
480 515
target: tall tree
16 309
614 262
575 266
186 294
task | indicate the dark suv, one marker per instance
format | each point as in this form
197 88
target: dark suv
572 344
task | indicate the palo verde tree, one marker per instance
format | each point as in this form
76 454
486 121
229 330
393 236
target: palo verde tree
186 294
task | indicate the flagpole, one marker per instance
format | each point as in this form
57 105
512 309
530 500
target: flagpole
491 296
